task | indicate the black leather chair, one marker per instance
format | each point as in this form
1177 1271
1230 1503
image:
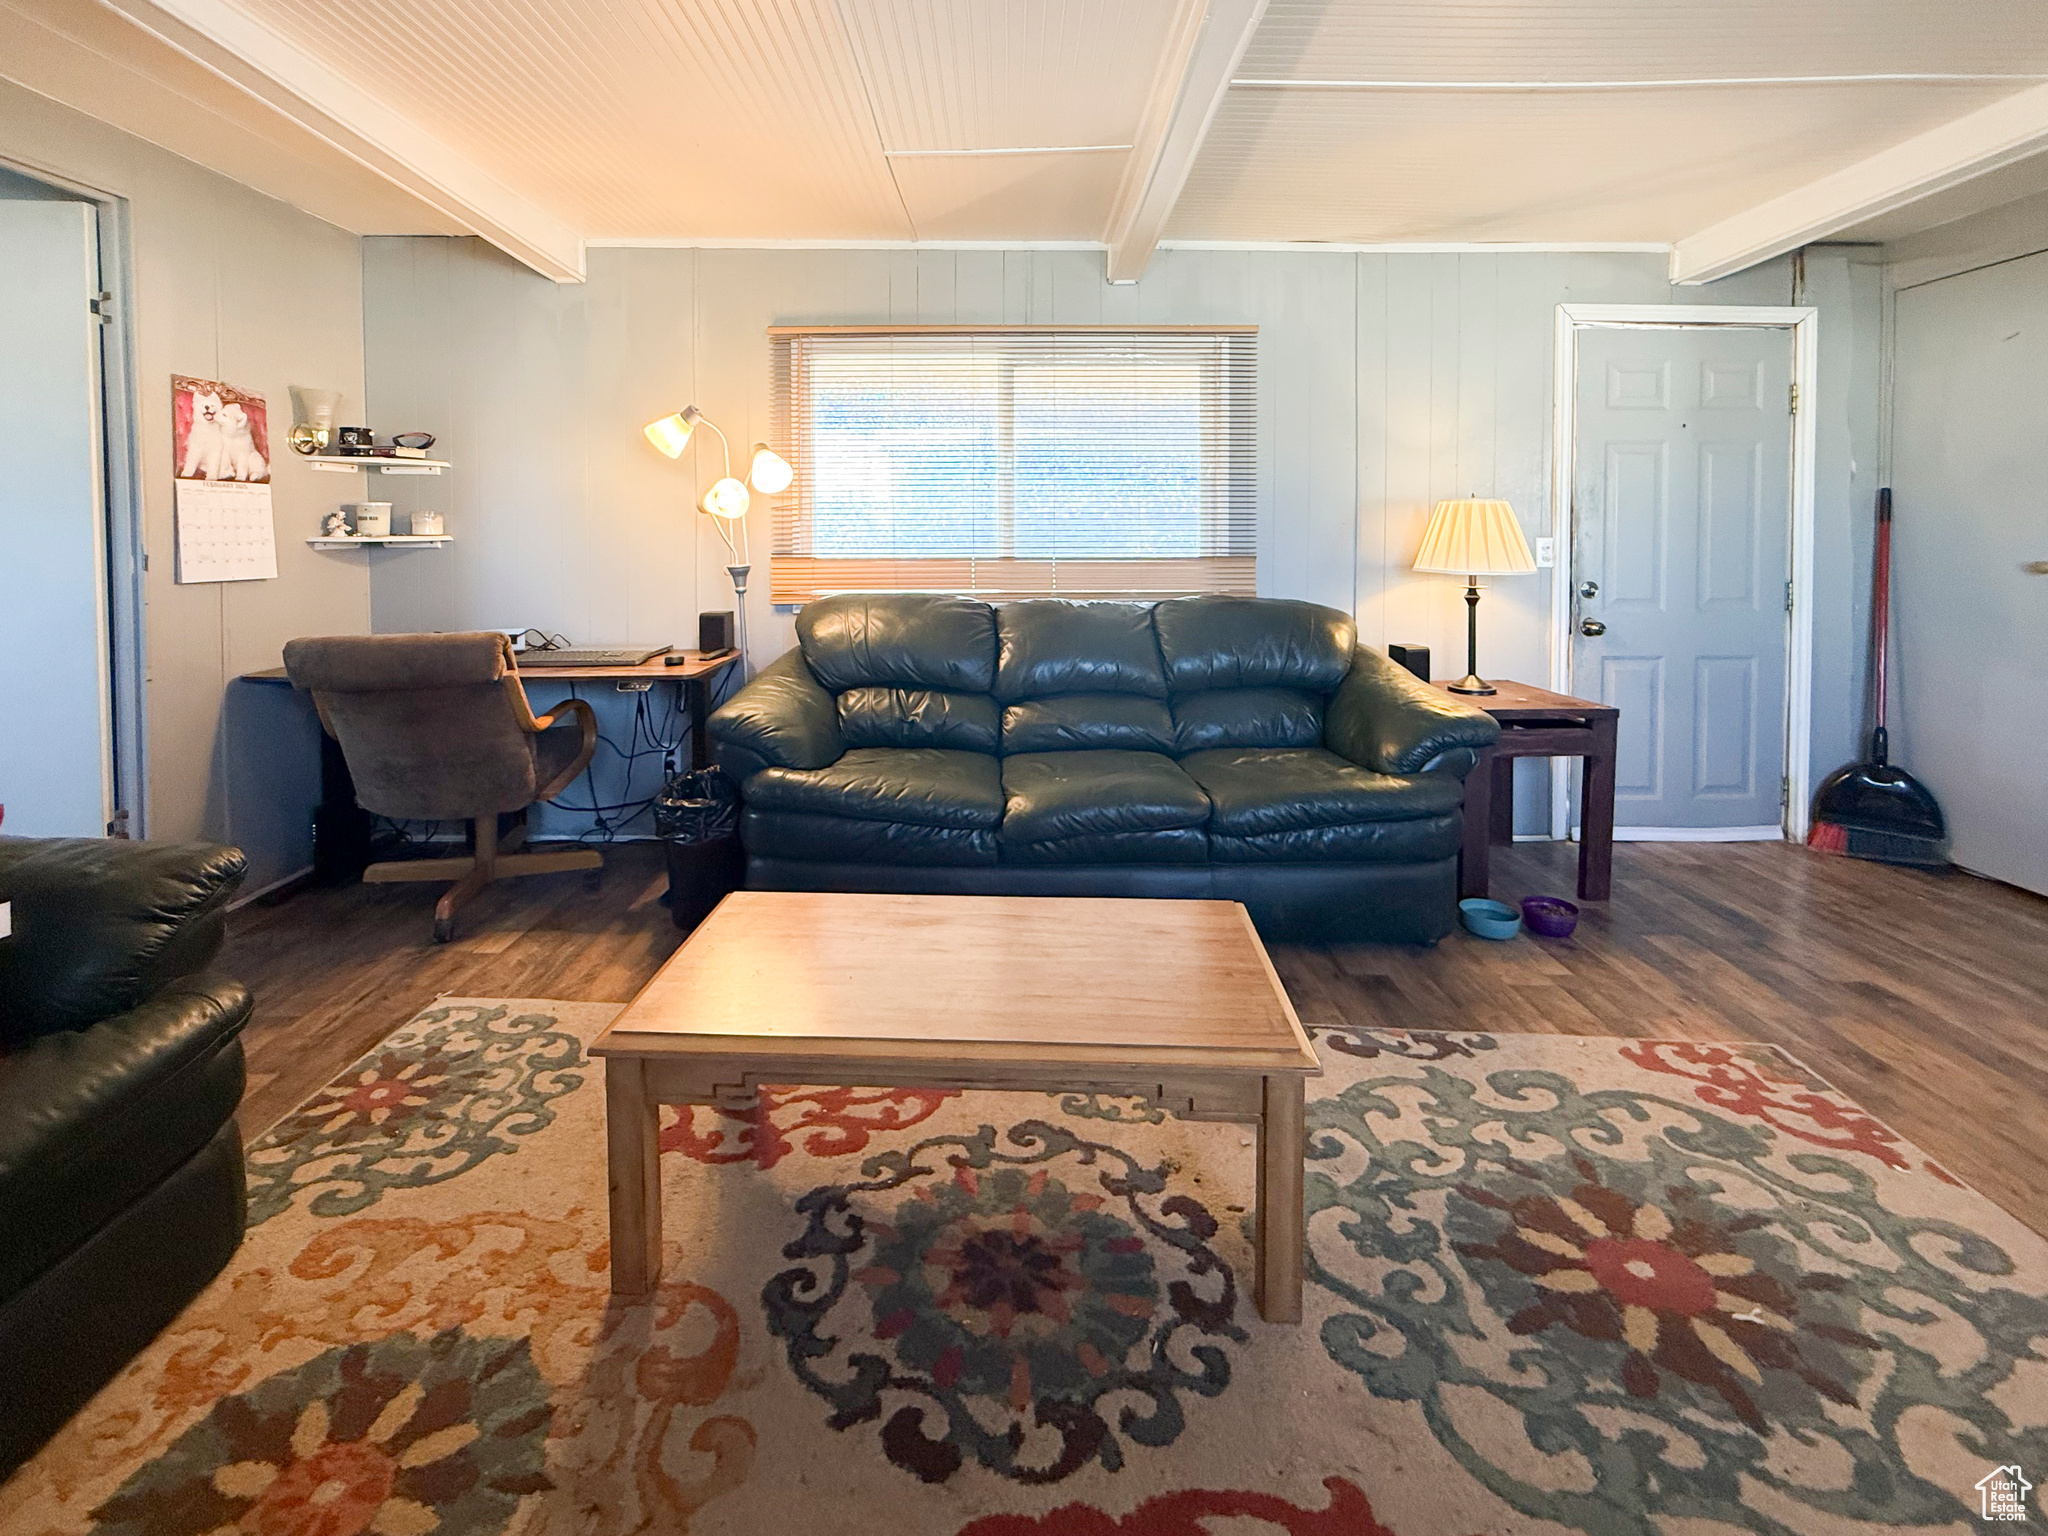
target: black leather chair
1239 748
121 1190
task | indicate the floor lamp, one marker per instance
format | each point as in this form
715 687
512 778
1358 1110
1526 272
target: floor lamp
1474 538
727 499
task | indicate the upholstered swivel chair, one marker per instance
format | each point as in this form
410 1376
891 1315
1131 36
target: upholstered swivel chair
437 728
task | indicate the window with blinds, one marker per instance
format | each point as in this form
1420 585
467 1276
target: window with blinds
1026 462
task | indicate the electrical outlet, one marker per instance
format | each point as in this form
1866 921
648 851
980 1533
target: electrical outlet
1546 553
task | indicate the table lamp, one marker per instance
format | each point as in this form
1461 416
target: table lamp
1474 538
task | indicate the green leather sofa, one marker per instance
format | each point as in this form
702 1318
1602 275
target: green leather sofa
121 1189
1238 748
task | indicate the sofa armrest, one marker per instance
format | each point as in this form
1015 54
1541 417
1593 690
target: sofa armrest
102 924
784 717
1385 718
88 1115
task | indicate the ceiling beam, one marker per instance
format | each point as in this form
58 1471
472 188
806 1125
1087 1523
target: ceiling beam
313 96
1194 74
1971 145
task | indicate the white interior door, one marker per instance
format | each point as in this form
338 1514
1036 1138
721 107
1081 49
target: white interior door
1681 556
56 747
1969 713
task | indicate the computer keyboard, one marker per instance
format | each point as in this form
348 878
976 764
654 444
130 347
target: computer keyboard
630 656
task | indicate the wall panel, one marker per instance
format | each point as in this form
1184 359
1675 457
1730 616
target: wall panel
226 284
1386 382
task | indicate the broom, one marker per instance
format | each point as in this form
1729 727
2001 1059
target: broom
1871 810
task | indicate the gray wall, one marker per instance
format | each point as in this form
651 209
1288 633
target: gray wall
1386 382
1969 451
227 284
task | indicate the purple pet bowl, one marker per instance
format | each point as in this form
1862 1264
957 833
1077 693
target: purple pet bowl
1551 916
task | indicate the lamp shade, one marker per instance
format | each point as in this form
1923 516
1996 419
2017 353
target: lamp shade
671 434
770 473
727 498
1474 538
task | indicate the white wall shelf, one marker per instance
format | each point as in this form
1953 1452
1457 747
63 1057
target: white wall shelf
392 540
336 464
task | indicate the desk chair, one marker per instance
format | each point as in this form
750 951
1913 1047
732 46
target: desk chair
437 728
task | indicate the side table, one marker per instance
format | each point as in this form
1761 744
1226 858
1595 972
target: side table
1534 722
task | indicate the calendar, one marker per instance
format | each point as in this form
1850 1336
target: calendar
225 532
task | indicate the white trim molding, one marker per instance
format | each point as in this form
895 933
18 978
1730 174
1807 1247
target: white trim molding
1697 834
2007 130
1804 324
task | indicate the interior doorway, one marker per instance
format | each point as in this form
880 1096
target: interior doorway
1684 483
72 762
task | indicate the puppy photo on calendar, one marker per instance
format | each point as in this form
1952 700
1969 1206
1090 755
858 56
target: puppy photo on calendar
219 432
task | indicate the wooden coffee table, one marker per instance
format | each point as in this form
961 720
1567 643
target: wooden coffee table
1174 1001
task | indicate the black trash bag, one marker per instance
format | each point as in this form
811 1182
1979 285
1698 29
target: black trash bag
702 806
698 818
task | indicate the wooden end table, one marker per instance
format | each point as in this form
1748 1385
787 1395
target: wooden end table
1534 722
1173 1001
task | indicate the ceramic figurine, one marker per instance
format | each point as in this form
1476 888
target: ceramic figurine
334 525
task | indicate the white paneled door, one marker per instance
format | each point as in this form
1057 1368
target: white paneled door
56 748
1680 563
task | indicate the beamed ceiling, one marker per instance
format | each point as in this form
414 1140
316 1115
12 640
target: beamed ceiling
1728 130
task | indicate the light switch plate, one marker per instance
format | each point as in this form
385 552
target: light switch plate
6 919
1546 552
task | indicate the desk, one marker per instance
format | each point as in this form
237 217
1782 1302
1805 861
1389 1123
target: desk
1534 722
341 829
695 675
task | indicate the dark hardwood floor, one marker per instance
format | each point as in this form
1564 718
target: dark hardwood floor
1924 998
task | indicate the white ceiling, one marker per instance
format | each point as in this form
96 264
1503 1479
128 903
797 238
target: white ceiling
544 123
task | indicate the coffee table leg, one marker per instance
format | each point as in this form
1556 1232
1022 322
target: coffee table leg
1281 1221
633 1149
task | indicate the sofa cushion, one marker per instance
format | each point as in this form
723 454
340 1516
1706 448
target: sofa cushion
1259 790
1251 642
1087 794
1168 845
92 1119
806 839
1247 717
918 717
1052 645
899 640
1080 721
102 923
925 786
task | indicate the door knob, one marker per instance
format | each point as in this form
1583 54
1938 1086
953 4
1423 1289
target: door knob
1592 627
2036 567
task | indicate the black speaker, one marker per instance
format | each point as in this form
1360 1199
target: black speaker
714 633
1414 657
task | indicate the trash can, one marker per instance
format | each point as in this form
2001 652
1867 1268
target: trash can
697 817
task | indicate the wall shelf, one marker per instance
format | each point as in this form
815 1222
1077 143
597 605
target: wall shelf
393 540
337 464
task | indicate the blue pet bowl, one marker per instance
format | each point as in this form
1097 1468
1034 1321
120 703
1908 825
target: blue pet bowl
1490 919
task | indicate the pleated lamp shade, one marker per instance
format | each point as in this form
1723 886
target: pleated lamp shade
1474 538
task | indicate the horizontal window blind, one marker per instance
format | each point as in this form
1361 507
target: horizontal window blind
1022 462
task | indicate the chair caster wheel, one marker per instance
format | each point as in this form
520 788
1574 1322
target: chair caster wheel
444 929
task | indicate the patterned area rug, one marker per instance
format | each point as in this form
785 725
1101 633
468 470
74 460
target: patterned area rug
1555 1285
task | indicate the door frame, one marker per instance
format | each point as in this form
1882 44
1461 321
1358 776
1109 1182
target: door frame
1803 321
127 556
